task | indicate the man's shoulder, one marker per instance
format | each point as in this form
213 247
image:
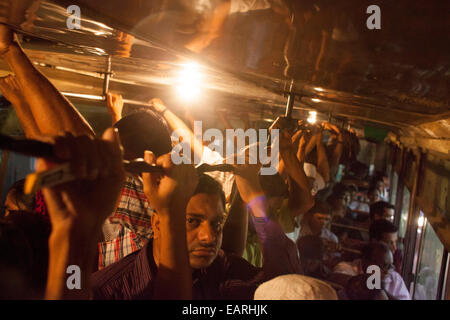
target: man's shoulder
235 267
122 278
236 277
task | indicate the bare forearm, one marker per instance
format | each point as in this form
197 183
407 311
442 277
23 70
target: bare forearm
295 170
322 162
26 119
53 113
337 153
176 123
174 278
68 247
301 199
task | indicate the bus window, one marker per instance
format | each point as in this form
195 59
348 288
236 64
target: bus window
393 191
404 214
429 268
446 287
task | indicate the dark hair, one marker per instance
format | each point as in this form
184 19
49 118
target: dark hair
310 247
372 189
207 184
144 130
320 207
20 199
378 207
339 190
367 252
378 227
273 185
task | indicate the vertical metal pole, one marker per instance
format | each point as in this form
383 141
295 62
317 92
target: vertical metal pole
106 78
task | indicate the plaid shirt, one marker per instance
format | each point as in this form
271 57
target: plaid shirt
132 224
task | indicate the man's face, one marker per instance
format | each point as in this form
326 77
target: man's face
319 220
204 223
374 196
388 214
347 199
382 258
390 239
380 185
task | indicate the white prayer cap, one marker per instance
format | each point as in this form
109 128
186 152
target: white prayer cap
295 287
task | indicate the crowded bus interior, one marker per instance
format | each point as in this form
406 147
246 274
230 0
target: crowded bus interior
224 149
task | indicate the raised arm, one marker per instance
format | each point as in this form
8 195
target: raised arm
10 88
114 105
78 209
322 160
169 195
279 252
176 123
236 226
52 112
301 199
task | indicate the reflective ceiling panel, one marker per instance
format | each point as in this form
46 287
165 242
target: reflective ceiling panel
251 51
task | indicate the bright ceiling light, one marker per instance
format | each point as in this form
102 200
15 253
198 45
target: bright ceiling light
318 89
315 100
312 117
189 81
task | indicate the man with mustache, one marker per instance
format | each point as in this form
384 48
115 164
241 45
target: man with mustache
215 273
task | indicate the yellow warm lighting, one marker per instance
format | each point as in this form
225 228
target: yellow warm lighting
312 117
82 96
189 81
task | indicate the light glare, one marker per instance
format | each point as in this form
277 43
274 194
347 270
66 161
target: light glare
312 117
420 221
189 80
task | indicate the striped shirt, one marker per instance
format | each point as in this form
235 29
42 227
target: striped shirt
228 277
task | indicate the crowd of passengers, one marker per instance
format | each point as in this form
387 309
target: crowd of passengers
177 234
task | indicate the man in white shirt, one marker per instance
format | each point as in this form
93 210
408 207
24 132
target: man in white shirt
380 255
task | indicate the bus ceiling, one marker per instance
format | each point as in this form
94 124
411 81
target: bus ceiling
367 63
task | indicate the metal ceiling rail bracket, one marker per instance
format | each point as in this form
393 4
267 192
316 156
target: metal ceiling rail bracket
107 78
290 100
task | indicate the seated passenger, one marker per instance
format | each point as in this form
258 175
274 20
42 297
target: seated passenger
385 231
382 210
315 222
356 289
378 254
381 183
